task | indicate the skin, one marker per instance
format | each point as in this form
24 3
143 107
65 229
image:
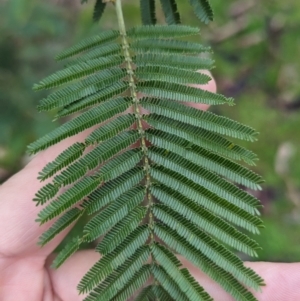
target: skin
24 266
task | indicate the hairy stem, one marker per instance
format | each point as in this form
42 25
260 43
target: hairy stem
137 110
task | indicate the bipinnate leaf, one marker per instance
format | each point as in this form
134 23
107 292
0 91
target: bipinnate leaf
152 177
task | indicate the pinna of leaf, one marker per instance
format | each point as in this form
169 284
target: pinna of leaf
175 193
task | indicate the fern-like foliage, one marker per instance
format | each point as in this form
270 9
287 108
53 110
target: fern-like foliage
175 191
201 8
98 10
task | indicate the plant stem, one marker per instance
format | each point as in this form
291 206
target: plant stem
137 110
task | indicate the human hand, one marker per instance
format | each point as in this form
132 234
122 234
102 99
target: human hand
24 266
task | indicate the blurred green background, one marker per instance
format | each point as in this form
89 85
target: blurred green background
256 45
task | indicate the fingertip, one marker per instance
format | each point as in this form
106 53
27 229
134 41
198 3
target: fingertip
65 279
211 86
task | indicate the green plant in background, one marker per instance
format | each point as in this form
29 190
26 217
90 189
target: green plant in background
17 53
173 192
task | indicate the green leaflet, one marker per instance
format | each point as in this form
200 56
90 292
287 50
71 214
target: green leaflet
173 91
98 10
46 193
203 10
78 91
207 246
205 139
78 71
170 10
147 294
108 263
122 277
122 163
64 159
110 129
63 222
165 176
165 73
97 156
173 59
101 96
201 217
168 46
136 282
206 198
205 178
193 135
148 12
113 189
66 252
199 156
161 31
81 123
217 144
136 32
198 118
105 50
68 199
225 279
87 185
89 43
114 213
169 285
192 289
159 292
121 230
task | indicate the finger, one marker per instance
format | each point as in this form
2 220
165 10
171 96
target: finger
19 232
282 279
65 279
211 86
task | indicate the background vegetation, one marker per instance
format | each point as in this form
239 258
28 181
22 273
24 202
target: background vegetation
256 45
